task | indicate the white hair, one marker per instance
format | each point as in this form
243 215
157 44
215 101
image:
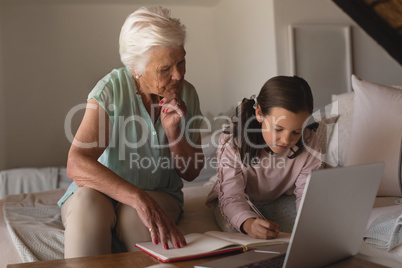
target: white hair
146 28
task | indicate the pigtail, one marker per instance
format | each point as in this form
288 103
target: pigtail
247 131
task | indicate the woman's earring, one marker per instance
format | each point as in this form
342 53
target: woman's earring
136 77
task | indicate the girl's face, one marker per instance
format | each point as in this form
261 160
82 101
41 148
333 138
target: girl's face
282 128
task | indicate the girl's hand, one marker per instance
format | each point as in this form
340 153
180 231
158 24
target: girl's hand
160 225
173 110
262 229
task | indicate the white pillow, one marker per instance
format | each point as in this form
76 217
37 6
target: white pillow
377 131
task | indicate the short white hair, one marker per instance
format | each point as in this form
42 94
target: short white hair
144 29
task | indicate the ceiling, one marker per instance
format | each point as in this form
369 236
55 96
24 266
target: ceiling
381 19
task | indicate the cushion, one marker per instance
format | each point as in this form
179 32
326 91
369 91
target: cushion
28 180
326 123
337 149
211 127
209 147
377 131
197 217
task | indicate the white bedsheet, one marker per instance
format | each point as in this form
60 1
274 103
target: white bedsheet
36 232
35 226
8 253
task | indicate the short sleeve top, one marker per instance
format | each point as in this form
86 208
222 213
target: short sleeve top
138 150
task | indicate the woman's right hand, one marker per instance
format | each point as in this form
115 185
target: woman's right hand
161 226
262 229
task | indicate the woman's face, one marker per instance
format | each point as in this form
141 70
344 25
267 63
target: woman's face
164 73
282 128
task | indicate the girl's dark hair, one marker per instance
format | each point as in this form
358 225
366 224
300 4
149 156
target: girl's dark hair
288 92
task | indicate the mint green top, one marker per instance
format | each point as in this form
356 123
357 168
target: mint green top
138 150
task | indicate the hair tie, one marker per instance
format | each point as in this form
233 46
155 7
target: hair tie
254 97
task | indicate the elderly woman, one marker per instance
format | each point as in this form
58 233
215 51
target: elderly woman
138 138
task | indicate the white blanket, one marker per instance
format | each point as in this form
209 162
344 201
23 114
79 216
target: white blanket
385 231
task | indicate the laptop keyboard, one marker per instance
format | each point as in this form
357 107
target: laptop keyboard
275 262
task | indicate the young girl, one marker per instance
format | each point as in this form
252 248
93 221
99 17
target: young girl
263 157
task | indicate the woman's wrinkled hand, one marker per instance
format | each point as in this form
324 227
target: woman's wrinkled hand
173 109
160 225
262 229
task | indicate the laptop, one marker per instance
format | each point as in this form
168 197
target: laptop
330 225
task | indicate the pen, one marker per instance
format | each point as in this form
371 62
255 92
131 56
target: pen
255 208
266 251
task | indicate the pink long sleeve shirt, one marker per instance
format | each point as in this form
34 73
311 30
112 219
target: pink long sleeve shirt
273 176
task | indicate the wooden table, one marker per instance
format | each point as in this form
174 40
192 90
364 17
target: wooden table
118 260
140 259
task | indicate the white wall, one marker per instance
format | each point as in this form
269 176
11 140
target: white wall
53 55
3 148
55 52
202 57
246 48
370 61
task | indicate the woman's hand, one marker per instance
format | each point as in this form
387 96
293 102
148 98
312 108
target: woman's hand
259 228
173 110
160 225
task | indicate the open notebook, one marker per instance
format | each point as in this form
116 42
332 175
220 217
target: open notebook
208 244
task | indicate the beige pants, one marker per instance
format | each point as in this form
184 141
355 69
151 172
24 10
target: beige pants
90 218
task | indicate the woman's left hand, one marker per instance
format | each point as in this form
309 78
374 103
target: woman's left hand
173 110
